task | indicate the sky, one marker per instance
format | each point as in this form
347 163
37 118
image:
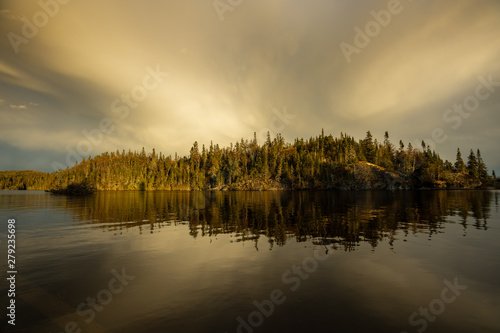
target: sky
79 78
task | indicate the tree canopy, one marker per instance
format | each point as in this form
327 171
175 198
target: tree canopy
321 162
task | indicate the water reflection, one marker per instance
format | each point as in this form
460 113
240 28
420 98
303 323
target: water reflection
186 267
344 219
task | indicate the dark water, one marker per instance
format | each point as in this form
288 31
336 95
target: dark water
254 261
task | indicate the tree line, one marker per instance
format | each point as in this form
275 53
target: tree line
321 162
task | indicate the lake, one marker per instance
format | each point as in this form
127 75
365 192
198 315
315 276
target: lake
409 261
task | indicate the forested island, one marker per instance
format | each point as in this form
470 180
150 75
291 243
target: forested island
322 162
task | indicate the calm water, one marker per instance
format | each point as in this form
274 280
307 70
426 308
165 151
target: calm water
255 261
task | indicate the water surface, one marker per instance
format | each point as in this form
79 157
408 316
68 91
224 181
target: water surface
213 262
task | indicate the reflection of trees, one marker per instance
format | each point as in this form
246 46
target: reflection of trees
344 219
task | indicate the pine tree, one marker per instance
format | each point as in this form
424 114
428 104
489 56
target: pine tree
472 165
481 167
459 164
194 156
387 159
411 156
254 141
268 140
369 147
203 157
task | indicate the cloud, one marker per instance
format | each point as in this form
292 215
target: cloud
226 77
21 106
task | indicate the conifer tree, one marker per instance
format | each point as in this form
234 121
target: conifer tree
459 164
472 165
369 147
481 167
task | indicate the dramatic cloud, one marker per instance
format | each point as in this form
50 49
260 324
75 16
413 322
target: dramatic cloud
68 70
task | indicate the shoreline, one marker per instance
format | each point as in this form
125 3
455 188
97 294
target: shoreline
279 190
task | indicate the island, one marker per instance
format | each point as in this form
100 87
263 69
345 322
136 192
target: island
323 162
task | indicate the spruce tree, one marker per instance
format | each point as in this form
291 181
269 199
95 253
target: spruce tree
481 167
472 165
369 147
387 143
459 164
